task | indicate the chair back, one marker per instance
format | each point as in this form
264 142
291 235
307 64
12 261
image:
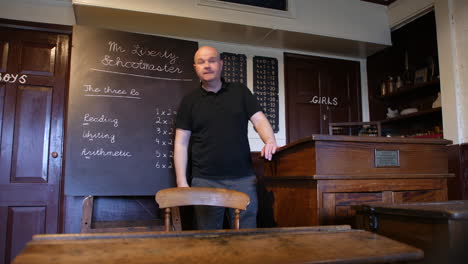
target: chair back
175 197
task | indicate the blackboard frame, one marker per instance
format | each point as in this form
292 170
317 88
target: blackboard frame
125 89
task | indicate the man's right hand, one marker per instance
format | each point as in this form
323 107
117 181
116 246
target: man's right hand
184 184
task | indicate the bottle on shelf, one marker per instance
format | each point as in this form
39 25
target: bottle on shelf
383 88
431 63
390 85
398 83
407 76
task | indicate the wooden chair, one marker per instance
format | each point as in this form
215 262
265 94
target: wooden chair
175 197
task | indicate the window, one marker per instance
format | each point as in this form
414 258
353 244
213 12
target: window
281 8
272 4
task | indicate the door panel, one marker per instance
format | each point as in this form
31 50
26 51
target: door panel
3 55
306 76
38 59
312 83
21 222
31 129
303 81
33 112
343 87
308 118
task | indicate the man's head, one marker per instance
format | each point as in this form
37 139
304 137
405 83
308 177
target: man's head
208 64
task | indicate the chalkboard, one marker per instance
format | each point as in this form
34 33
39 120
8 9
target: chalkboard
266 90
125 89
234 67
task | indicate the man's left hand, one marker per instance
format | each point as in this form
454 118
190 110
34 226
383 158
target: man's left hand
268 150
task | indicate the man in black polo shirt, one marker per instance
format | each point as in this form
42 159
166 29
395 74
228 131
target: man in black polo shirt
215 117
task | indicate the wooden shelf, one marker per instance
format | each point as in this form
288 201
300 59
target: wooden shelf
429 136
413 115
412 88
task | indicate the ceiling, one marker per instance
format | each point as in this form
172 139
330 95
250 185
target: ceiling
193 28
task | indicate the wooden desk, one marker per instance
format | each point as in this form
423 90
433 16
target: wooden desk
440 229
316 180
326 244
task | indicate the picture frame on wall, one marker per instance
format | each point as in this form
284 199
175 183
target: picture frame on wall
420 76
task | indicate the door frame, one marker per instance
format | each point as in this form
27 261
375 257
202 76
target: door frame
59 29
287 56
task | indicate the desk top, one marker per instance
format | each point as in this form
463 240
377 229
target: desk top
455 210
321 244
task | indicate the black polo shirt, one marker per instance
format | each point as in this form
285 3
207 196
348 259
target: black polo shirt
218 122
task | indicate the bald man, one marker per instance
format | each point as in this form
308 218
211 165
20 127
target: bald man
215 118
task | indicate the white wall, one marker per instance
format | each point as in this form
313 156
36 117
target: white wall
354 20
458 11
452 38
43 11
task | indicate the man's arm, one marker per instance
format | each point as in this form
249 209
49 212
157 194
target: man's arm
182 138
263 127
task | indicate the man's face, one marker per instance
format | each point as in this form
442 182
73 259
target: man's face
208 65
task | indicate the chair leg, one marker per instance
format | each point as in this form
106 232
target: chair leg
236 219
87 214
167 219
175 216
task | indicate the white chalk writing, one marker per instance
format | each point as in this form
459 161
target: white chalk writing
164 127
115 47
110 92
100 119
12 78
105 153
98 135
142 51
118 62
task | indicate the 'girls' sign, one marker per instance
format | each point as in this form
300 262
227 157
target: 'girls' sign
325 100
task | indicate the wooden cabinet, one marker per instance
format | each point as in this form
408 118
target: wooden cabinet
414 45
317 180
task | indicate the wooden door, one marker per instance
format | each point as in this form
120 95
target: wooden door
318 91
304 80
31 129
344 86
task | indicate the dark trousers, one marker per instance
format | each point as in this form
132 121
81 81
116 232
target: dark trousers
212 217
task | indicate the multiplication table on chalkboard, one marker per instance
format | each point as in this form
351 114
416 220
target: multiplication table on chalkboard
266 87
234 67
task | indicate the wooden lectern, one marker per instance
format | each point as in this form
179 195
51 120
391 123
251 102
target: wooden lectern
316 180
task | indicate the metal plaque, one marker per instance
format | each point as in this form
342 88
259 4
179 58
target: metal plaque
387 158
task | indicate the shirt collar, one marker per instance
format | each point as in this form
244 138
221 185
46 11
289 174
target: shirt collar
224 88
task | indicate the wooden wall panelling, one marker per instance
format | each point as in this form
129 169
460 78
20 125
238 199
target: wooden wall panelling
458 164
455 186
464 170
